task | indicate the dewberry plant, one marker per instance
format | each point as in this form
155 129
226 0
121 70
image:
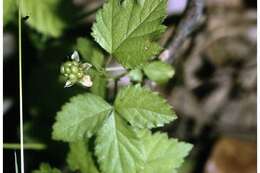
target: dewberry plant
113 134
127 30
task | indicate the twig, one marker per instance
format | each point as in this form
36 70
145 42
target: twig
111 69
191 21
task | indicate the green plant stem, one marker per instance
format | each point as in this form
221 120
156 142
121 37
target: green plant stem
32 146
20 84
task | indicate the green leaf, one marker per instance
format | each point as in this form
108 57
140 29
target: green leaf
90 53
80 118
10 9
44 16
118 147
79 158
136 75
126 29
99 84
143 108
162 154
46 168
159 71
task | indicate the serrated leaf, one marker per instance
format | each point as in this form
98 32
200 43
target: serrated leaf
126 29
79 158
143 108
162 154
159 71
46 168
90 53
80 118
118 148
10 9
43 16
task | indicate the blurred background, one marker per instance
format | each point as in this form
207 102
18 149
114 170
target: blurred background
213 91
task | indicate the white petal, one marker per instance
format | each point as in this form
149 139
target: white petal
75 56
86 66
86 81
68 84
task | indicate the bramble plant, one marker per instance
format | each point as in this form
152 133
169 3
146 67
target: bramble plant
120 128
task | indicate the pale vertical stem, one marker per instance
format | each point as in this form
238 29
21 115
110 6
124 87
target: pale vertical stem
21 84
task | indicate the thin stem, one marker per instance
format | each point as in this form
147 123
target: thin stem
110 69
15 162
32 146
21 85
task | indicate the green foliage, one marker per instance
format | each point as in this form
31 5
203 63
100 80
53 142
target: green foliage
118 148
94 56
9 11
90 53
80 118
127 29
159 71
162 154
46 168
79 158
143 108
44 16
114 137
136 75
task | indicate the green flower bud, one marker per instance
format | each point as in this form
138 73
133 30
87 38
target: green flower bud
80 75
62 69
68 64
72 77
74 69
67 70
75 63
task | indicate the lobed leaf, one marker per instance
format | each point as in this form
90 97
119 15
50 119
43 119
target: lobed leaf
126 29
118 147
80 158
143 108
162 154
80 118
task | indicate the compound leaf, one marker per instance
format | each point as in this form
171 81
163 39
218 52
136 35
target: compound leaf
162 154
80 118
118 147
79 158
143 108
127 29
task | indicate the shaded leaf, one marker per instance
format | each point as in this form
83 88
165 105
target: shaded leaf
46 168
79 158
9 11
44 16
90 53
